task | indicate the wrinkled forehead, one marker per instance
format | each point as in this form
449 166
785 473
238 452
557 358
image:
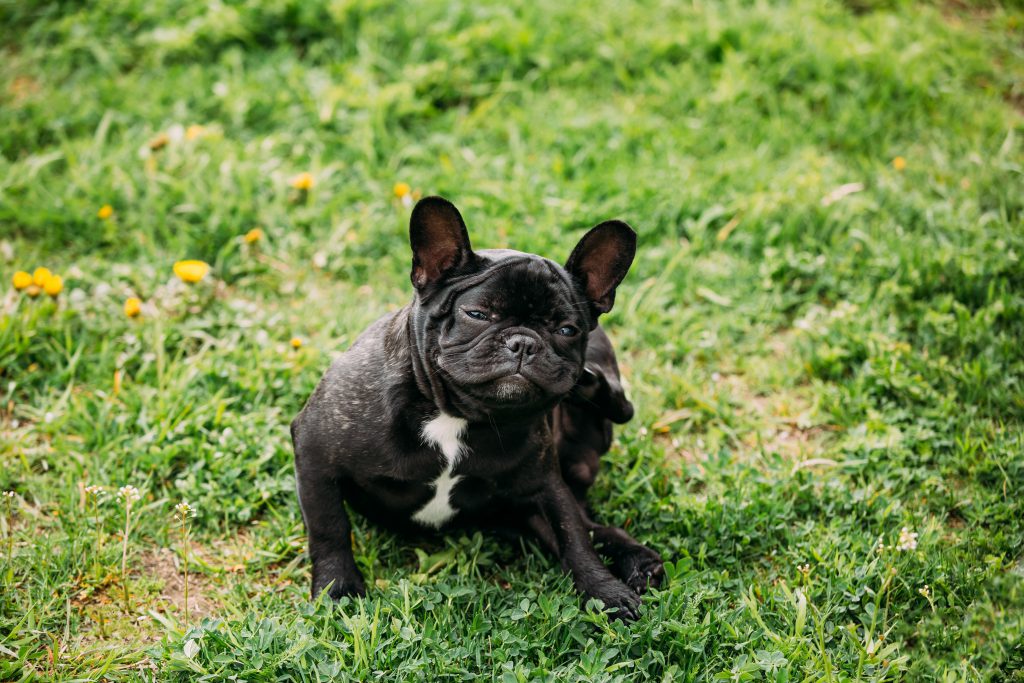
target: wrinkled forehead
523 284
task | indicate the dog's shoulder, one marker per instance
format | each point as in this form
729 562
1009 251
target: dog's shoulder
355 388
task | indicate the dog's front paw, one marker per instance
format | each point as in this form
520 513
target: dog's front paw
641 568
617 597
339 586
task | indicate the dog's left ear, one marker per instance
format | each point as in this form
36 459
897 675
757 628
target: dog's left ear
600 261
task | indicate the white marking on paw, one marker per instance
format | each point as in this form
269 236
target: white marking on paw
444 432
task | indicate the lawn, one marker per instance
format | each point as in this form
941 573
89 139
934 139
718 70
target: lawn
823 331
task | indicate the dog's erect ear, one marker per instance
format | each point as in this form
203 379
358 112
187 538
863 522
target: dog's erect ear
440 242
600 261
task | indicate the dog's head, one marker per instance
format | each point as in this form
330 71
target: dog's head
505 332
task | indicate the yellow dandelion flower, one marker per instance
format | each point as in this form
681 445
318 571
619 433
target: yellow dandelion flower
40 276
296 343
132 306
33 290
254 235
899 163
191 270
194 131
303 181
54 285
159 142
105 212
21 280
402 190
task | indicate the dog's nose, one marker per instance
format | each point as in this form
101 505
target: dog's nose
521 344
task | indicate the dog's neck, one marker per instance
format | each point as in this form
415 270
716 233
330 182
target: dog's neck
428 380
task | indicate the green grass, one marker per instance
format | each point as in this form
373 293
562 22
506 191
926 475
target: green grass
811 376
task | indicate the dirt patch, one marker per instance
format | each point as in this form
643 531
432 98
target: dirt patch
782 342
785 416
957 11
1015 100
795 444
772 415
165 566
22 87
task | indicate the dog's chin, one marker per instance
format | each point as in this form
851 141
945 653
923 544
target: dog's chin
513 393
515 390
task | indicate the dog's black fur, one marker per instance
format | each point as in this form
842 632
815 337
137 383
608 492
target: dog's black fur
488 400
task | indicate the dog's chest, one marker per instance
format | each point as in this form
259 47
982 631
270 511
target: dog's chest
446 433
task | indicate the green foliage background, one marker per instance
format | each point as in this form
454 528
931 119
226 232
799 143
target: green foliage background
813 372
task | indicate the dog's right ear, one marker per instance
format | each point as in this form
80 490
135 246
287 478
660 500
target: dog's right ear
439 240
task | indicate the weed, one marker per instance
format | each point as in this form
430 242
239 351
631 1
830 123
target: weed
128 495
182 512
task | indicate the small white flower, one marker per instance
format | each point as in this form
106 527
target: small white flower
8 494
184 509
96 492
176 133
129 493
907 541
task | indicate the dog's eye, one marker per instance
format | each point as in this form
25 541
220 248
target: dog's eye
567 331
477 315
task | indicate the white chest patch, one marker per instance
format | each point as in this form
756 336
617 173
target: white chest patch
444 432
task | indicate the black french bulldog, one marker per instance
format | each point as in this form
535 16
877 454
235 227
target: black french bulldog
487 402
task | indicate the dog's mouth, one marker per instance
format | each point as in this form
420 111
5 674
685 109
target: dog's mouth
511 386
512 391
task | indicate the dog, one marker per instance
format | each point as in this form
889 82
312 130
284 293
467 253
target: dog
487 401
